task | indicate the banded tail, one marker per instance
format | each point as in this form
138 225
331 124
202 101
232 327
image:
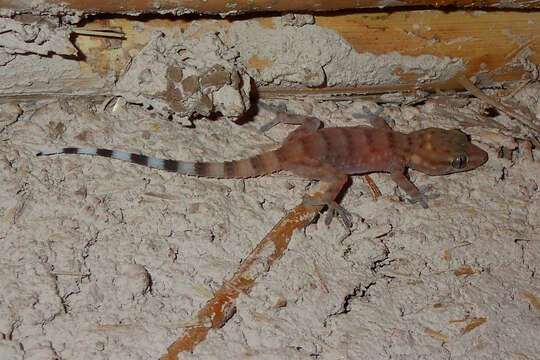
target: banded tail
251 167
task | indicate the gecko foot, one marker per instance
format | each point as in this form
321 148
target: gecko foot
374 118
277 109
422 197
333 209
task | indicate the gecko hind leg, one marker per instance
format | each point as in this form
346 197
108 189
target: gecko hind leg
374 119
331 181
308 124
333 209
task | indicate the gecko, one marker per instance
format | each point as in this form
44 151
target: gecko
330 155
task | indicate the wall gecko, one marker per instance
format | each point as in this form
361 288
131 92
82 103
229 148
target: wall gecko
330 155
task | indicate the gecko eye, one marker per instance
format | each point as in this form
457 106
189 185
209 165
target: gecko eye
460 162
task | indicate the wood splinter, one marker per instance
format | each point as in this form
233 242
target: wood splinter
221 307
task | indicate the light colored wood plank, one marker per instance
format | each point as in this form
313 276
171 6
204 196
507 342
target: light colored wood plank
494 46
488 42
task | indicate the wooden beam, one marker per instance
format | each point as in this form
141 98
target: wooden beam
493 47
224 7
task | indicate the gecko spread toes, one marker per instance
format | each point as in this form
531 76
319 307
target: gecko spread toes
373 117
278 110
422 197
333 209
331 155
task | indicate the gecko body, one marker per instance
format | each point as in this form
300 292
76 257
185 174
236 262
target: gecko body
330 155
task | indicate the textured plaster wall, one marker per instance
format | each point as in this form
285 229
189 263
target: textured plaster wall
102 259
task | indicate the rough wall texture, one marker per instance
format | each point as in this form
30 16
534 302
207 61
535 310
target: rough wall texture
186 77
101 259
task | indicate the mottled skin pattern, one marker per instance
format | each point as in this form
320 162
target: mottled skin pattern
331 154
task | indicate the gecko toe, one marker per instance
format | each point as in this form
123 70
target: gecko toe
346 217
340 211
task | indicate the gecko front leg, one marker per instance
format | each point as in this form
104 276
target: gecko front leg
416 195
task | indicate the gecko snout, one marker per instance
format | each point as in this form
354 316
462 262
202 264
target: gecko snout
477 156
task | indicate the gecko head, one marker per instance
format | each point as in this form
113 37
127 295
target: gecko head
440 152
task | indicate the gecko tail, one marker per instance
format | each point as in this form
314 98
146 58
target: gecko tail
183 167
251 167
